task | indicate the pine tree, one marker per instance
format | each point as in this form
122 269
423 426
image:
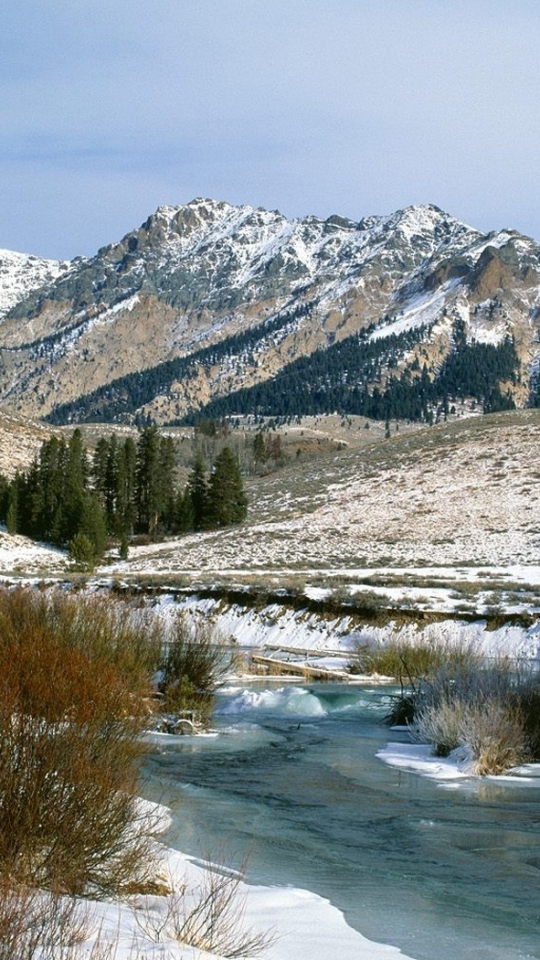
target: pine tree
49 488
12 517
155 479
227 502
99 467
72 498
184 513
198 492
166 493
147 480
4 497
126 497
124 546
111 485
81 551
93 524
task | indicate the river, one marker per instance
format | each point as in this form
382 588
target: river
292 782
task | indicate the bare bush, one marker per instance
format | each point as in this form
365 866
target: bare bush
194 662
104 628
209 917
38 924
427 674
441 725
492 710
526 699
472 681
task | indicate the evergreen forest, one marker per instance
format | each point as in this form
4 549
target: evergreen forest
358 375
339 380
78 500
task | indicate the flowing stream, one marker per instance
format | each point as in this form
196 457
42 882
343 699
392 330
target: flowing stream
292 782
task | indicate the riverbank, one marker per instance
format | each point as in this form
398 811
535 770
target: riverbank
299 924
279 626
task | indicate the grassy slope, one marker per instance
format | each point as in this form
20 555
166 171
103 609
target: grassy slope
458 494
463 493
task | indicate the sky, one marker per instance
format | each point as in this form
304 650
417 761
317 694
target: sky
109 108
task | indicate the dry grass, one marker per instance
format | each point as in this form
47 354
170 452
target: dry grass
194 663
34 924
407 662
492 710
440 725
210 917
493 732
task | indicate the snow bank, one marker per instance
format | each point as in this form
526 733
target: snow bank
277 627
419 758
306 926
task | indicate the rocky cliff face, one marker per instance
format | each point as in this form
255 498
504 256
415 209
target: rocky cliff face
199 274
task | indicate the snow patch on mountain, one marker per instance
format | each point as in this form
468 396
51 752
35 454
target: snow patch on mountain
423 309
20 273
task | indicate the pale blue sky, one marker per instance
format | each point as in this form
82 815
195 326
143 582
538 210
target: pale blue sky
109 108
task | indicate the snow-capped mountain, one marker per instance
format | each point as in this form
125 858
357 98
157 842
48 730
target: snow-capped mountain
21 273
260 291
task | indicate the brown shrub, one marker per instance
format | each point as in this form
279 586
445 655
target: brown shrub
71 708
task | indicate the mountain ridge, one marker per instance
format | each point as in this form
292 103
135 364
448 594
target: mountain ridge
207 272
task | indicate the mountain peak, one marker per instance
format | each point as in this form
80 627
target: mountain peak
258 290
422 218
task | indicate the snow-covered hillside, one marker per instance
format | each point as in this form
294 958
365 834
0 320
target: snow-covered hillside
457 494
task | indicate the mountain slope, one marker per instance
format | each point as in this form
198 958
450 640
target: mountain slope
230 296
21 274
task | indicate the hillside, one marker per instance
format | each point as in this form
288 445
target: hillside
207 299
451 505
20 441
455 496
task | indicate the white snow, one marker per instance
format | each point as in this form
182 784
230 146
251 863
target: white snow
20 273
245 240
23 556
306 926
419 758
278 630
421 309
495 240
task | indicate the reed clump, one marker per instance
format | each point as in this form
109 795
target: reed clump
409 662
491 710
194 661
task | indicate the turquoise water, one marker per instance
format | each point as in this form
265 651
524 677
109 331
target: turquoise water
293 783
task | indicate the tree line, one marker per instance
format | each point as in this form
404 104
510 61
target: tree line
73 499
354 376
